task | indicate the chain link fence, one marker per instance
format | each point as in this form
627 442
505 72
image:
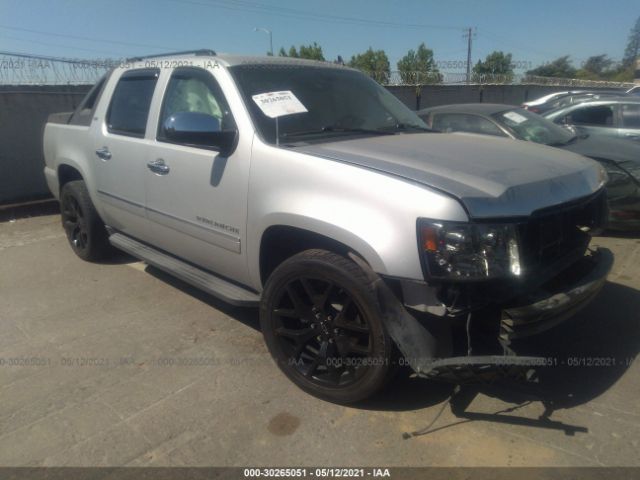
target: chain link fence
452 78
27 69
572 82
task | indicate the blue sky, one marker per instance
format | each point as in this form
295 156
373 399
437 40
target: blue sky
533 31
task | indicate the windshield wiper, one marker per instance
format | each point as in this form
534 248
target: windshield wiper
335 129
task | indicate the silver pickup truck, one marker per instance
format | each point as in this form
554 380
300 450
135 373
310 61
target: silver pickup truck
307 189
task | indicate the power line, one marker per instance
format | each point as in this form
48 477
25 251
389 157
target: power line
305 15
77 37
496 39
57 45
450 52
240 5
41 57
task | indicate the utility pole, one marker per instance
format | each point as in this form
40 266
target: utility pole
468 35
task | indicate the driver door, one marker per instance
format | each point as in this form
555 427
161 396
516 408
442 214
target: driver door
197 198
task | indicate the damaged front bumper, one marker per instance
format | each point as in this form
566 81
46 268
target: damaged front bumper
421 340
557 300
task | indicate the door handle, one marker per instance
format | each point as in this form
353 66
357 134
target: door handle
103 153
158 167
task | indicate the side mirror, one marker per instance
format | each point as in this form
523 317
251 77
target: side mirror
199 130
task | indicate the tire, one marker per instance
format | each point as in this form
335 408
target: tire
322 323
82 224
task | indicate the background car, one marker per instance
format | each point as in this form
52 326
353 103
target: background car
537 104
621 158
634 90
611 116
563 99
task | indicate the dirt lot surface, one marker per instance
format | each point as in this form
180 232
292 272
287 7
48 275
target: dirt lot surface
119 364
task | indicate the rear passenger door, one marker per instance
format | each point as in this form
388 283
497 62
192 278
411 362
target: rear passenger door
120 151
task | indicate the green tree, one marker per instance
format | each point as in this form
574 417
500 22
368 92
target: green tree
374 63
311 52
496 63
560 68
418 67
623 74
596 67
633 46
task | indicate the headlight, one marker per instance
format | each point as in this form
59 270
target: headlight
603 177
469 251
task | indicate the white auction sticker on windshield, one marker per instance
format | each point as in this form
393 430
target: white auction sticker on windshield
278 104
515 117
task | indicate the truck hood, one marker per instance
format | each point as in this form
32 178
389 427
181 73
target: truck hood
492 177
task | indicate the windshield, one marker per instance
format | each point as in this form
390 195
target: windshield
529 126
339 102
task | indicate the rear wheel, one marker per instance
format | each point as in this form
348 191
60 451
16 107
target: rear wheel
322 323
84 228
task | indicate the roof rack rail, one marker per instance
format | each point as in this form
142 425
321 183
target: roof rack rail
197 53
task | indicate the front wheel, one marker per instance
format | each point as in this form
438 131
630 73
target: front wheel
322 323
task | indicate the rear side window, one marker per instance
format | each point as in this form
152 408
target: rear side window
600 115
84 113
90 100
455 122
130 102
631 115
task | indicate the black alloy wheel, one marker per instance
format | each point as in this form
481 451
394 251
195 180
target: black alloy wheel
74 223
85 231
322 324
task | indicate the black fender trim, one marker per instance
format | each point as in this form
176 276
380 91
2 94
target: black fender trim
417 344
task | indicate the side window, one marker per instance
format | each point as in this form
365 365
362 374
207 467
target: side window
454 122
598 115
561 101
84 113
130 102
194 90
447 122
481 125
90 100
631 115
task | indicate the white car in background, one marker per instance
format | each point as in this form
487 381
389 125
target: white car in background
542 100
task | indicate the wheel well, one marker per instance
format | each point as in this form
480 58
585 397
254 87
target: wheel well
67 174
281 242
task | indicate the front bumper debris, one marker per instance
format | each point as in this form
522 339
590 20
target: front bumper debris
557 300
481 368
553 303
